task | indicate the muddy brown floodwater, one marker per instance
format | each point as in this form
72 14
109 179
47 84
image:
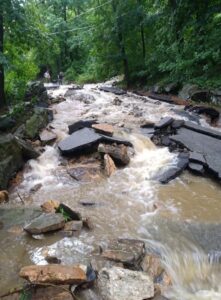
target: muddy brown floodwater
185 227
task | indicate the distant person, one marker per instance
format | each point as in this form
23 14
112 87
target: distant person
47 76
60 78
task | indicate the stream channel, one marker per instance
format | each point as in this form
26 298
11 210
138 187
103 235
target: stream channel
181 219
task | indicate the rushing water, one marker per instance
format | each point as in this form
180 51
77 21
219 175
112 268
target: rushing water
180 219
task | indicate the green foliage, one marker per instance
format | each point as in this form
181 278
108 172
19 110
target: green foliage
64 213
91 40
22 70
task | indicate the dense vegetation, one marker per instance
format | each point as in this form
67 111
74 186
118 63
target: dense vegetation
91 40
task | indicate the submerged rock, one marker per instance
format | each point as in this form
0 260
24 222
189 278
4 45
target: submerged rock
46 222
88 170
121 284
54 274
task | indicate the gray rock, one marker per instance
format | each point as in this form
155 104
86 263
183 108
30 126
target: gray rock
117 152
113 90
208 146
127 251
6 123
177 124
174 172
36 91
45 223
203 130
37 121
79 140
187 91
164 122
121 284
196 168
116 140
171 87
197 158
28 151
47 137
86 139
11 159
80 125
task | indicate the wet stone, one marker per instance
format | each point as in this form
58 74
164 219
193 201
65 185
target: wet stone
99 262
196 168
104 129
86 171
79 140
197 158
47 137
206 131
73 226
117 152
177 124
4 196
147 124
164 122
109 165
69 212
54 274
45 223
80 125
129 252
113 90
121 284
152 265
52 260
50 206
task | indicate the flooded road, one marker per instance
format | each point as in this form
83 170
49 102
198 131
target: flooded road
181 220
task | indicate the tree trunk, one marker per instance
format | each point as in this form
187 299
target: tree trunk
143 41
2 79
121 46
142 32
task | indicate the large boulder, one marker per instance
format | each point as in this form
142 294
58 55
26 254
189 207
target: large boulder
11 159
54 274
86 139
36 122
192 91
121 284
6 123
36 92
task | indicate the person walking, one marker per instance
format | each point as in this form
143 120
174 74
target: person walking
60 78
47 76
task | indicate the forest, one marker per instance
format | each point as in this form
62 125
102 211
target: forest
92 40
